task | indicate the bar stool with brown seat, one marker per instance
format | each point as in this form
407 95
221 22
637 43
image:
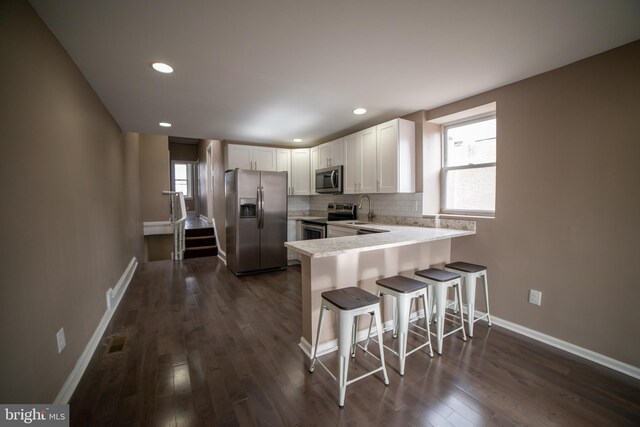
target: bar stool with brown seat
404 290
470 273
440 281
348 304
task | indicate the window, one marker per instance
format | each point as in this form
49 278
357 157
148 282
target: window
469 167
183 178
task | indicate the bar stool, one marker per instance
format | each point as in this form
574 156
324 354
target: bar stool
404 290
470 273
440 281
349 303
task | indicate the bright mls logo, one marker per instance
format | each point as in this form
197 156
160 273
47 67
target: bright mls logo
37 415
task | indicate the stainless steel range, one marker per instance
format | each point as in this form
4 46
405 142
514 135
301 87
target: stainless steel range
317 228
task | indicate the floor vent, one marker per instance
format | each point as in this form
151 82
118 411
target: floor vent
117 344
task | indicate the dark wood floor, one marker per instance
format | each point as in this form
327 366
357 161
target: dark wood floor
206 348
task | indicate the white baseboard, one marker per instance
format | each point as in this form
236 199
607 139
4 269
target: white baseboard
114 296
624 368
598 358
222 255
205 218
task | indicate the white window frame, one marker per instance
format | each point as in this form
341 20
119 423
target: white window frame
190 176
445 168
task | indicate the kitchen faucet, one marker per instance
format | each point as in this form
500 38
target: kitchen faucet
370 215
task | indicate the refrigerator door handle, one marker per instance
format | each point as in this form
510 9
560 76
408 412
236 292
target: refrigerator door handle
258 210
261 207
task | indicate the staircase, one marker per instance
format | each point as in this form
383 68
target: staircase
200 242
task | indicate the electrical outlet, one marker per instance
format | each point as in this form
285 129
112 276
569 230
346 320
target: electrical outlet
61 340
535 297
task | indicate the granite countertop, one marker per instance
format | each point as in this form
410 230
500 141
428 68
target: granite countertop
306 217
397 235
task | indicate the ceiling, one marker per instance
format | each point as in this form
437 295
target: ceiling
271 71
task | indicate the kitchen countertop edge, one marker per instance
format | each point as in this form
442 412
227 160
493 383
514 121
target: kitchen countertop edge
396 236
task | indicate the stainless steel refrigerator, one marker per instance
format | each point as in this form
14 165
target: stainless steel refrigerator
256 220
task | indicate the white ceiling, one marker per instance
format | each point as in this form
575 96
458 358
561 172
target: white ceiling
269 71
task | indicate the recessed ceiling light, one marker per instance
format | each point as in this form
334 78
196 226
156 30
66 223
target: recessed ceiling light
165 124
297 140
162 67
359 111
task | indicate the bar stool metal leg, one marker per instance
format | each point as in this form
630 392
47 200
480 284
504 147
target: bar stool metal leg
486 297
470 287
344 349
315 348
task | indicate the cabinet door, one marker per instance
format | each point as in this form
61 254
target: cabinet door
283 164
337 152
368 171
291 236
239 156
337 231
312 167
324 156
264 158
387 148
352 161
300 176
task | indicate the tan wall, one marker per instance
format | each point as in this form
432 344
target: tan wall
74 222
218 192
184 152
154 177
418 119
202 176
218 214
567 203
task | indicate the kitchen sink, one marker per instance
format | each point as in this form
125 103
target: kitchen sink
357 223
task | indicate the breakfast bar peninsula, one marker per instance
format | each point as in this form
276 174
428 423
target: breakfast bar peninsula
360 260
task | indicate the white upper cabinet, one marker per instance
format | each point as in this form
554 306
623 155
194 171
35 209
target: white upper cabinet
360 162
313 165
264 158
381 159
250 157
283 164
352 163
368 169
331 154
300 175
239 156
396 148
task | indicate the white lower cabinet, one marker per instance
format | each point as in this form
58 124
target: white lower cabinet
292 235
339 231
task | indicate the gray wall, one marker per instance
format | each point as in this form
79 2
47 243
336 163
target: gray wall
567 203
72 219
154 177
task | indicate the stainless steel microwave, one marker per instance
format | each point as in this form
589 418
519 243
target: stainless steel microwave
329 180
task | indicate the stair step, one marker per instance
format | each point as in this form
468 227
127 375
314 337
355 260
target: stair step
201 251
194 232
200 248
208 236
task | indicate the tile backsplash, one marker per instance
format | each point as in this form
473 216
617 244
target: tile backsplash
401 204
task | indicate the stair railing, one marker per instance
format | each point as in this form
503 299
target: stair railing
177 202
